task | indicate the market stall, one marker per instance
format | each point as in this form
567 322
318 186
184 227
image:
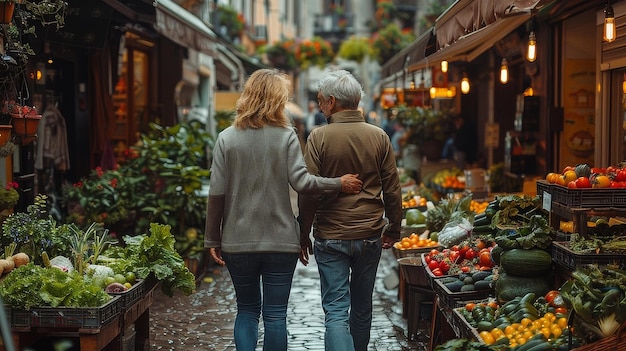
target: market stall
542 271
62 281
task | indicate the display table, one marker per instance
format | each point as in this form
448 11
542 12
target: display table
110 336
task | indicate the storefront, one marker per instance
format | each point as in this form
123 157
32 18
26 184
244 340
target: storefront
577 89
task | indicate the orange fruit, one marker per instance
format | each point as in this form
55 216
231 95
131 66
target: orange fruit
569 176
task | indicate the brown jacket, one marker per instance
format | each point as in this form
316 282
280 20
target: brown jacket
350 145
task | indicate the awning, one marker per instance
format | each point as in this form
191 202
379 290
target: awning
415 52
470 46
184 28
495 19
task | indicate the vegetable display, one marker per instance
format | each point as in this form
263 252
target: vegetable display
597 296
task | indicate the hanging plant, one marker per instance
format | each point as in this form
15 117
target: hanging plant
389 41
355 49
231 22
47 12
316 51
281 54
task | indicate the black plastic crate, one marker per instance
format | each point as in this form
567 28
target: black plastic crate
565 257
451 299
594 198
67 317
130 296
465 330
544 186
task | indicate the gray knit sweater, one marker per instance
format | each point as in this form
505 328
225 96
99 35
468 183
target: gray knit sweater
250 177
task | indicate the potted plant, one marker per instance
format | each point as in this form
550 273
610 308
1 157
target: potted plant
35 231
25 121
8 198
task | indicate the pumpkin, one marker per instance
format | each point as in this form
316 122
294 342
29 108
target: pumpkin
583 170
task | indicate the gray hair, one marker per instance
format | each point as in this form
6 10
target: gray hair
343 86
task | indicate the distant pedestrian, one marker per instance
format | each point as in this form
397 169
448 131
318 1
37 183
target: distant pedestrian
313 119
349 231
250 224
464 143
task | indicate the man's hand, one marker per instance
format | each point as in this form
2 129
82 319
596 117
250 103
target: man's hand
306 248
350 184
216 253
388 242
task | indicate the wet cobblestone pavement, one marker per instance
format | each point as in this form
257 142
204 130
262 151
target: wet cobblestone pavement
205 319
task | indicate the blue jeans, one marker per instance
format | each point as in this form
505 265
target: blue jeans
347 271
275 270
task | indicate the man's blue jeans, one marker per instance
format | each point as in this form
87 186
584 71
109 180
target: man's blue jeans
347 271
275 271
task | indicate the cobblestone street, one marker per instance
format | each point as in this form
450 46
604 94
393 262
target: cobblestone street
205 319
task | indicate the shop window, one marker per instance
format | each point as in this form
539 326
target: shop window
131 95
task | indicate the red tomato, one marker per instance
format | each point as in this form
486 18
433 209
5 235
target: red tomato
455 248
463 250
572 184
567 168
437 272
434 252
485 259
470 254
561 310
465 269
620 175
454 256
554 298
583 182
433 265
427 259
444 267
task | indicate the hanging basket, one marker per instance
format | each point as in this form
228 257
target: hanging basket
25 126
6 11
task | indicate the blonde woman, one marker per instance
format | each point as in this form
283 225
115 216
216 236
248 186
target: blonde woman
250 224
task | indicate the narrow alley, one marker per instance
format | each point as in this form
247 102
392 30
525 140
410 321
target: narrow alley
205 319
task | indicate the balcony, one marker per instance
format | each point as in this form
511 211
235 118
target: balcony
406 5
334 25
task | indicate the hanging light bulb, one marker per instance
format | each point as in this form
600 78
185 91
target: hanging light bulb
465 84
444 66
504 72
531 54
609 24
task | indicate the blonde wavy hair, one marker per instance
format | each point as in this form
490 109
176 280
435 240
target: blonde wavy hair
263 100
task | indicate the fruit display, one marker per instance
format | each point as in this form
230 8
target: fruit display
413 241
583 176
447 181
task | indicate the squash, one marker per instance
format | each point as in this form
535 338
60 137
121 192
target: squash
526 263
508 286
582 170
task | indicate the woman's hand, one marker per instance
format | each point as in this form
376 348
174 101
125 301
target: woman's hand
216 253
350 184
